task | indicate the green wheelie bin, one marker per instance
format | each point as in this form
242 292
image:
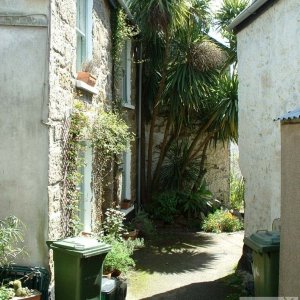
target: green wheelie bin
78 265
265 246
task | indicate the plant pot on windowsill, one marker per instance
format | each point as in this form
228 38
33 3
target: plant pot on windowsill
87 77
125 204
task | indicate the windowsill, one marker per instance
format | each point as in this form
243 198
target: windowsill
128 210
129 106
85 87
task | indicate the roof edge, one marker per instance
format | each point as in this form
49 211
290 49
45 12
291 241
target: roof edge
124 6
248 15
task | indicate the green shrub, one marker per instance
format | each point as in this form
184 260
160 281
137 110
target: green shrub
165 206
113 223
143 223
199 203
6 293
119 257
221 221
11 235
237 191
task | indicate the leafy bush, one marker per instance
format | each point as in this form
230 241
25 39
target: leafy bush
119 257
171 175
237 192
221 221
166 206
143 223
198 203
6 293
11 234
113 224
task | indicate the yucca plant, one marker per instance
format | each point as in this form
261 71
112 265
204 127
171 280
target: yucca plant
11 235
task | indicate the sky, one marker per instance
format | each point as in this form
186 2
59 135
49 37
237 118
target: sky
215 5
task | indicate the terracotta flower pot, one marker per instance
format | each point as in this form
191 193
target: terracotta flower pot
133 234
37 296
87 77
125 204
116 273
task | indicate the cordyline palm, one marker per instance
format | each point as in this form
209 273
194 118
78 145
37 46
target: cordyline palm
224 16
159 21
182 80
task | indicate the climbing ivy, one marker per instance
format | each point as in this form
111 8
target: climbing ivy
122 30
73 162
110 137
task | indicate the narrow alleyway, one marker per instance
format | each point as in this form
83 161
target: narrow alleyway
187 266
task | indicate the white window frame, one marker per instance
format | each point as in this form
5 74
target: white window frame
86 193
84 32
126 174
126 74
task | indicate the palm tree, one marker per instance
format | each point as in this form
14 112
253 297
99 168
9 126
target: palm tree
183 83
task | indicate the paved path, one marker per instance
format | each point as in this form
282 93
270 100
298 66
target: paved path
188 266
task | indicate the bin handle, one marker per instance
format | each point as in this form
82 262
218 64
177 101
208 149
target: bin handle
49 243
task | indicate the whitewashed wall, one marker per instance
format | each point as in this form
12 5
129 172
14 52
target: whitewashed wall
23 135
269 69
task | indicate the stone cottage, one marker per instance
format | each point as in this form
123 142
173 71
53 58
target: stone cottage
44 45
268 58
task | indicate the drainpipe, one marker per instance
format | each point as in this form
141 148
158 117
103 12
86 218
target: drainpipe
139 126
124 6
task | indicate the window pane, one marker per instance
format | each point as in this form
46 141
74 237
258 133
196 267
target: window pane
81 16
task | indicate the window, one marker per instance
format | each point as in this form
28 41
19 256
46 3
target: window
83 32
86 194
126 73
126 175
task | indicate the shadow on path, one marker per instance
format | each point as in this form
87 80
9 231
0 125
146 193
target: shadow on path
175 253
213 290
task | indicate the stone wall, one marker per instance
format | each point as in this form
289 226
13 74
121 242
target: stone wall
217 163
62 60
63 92
218 171
268 55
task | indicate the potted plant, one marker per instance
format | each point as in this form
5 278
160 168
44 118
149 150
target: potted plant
87 72
126 203
143 223
23 293
118 260
131 231
11 235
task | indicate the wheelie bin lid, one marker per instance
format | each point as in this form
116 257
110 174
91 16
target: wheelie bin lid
83 246
108 285
263 241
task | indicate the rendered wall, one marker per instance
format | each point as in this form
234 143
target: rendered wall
290 211
269 67
23 135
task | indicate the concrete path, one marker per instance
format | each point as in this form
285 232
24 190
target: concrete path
187 266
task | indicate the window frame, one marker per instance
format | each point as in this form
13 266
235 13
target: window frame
126 174
126 74
84 28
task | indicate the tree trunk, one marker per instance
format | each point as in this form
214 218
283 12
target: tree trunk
201 170
154 117
163 150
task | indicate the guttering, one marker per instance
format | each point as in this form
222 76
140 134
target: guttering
123 5
250 14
